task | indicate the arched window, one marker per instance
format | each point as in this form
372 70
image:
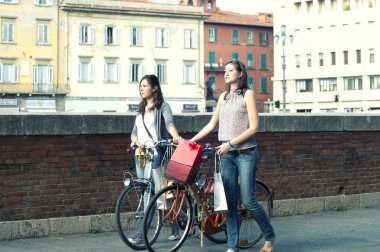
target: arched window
190 2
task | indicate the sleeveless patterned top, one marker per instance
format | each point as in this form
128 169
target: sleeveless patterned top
233 120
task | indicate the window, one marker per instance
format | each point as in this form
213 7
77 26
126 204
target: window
333 58
136 71
297 8
328 84
264 84
371 3
209 5
44 2
358 56
162 37
250 82
135 36
346 5
334 5
309 7
263 59
7 31
235 36
42 33
211 60
85 70
375 81
264 39
191 39
160 71
111 71
86 34
345 57
359 4
308 58
249 60
212 34
189 73
8 73
371 55
321 6
320 55
42 78
111 35
304 85
353 83
250 38
212 86
235 56
297 60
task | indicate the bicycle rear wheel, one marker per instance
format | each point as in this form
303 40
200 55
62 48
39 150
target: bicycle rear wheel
129 213
174 207
250 233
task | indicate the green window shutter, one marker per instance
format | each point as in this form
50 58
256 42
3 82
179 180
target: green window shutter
264 84
235 36
249 60
263 61
235 56
211 57
250 82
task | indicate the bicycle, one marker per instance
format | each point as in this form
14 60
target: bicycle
178 203
135 196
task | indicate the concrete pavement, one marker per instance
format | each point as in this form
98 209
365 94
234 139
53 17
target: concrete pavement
349 231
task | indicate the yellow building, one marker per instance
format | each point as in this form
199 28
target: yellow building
30 78
112 44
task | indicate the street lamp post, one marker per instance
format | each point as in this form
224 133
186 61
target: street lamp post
283 40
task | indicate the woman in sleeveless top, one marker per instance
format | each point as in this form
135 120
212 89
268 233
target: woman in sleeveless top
238 121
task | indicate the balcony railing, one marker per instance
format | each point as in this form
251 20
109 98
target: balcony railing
47 89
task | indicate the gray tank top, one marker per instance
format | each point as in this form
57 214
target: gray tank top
233 120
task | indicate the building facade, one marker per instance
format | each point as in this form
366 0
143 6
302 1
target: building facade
333 63
112 44
30 77
247 38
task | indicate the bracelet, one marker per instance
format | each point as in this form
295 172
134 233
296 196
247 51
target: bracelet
229 143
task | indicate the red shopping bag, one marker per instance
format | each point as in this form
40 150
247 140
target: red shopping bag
183 166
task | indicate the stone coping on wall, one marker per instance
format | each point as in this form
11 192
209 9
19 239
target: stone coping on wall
28 124
10 230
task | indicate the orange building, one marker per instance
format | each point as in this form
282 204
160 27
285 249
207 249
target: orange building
248 38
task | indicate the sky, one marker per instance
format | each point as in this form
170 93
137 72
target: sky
246 6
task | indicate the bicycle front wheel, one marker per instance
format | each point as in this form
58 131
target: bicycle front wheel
250 233
176 215
129 214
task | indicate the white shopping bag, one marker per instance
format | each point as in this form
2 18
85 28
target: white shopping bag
220 201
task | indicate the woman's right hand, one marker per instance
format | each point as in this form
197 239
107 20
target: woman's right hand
134 142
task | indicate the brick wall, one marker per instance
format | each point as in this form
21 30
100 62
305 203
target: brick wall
44 176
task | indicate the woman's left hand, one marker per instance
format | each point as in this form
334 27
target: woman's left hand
223 149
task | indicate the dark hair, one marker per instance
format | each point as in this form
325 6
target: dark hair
157 95
243 81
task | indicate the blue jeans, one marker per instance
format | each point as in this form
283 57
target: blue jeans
143 173
244 166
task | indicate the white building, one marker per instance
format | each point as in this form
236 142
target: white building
112 44
335 54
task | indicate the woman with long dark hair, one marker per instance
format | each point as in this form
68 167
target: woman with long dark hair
154 122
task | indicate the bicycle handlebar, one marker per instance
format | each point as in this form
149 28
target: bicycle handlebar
161 142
